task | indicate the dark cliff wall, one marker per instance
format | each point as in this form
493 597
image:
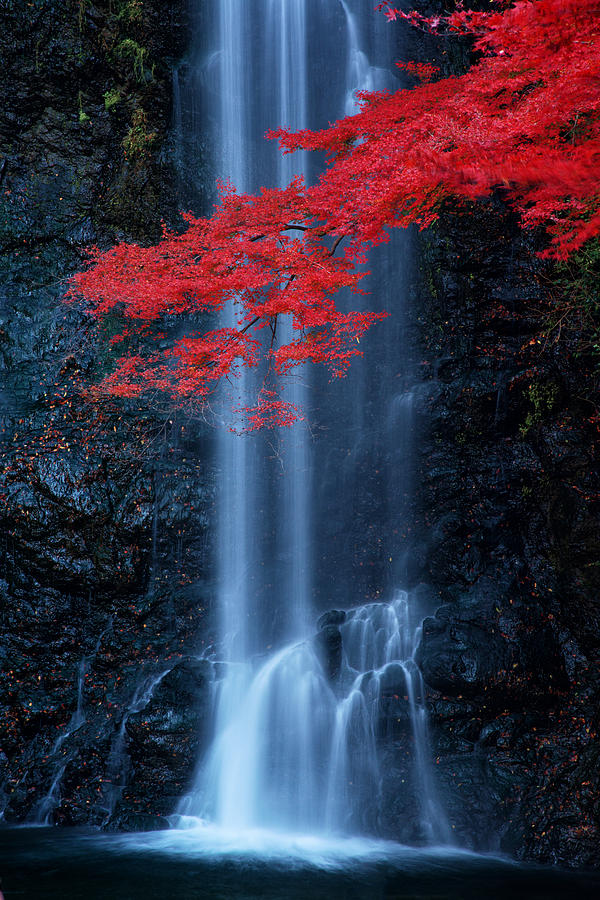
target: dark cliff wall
103 515
509 541
507 526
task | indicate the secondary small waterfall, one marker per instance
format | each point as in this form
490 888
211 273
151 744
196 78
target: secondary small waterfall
48 803
298 715
62 752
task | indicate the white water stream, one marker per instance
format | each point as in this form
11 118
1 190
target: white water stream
295 749
59 756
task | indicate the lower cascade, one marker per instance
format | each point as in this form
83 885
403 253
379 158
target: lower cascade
296 735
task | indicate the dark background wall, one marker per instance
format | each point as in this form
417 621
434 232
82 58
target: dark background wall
506 520
104 531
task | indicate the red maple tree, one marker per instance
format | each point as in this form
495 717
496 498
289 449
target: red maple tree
524 119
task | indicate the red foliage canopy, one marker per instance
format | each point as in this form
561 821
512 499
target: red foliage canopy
261 255
524 118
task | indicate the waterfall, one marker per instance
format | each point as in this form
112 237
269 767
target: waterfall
118 763
287 36
298 717
252 91
50 801
60 755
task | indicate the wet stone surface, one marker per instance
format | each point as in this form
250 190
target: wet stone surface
104 509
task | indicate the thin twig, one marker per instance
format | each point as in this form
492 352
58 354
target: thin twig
250 324
336 243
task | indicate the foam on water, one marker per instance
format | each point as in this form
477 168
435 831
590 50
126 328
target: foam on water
195 838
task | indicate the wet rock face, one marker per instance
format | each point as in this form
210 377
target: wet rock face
328 647
507 530
165 740
104 509
477 645
332 617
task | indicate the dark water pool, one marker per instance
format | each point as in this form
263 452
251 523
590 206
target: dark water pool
73 865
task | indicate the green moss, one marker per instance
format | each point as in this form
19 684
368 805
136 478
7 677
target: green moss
112 98
83 116
129 11
130 49
138 141
542 399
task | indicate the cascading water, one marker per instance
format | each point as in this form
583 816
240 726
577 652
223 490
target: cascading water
50 801
252 91
118 763
296 728
60 755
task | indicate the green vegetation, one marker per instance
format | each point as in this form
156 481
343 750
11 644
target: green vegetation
577 310
83 116
82 6
138 141
130 49
542 399
112 97
129 11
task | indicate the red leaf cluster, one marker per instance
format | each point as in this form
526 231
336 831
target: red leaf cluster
262 257
524 119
